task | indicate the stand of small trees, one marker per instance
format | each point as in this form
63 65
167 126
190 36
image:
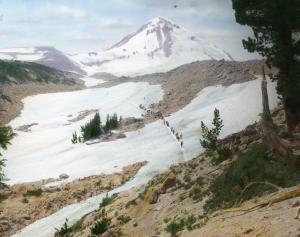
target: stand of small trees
112 122
94 128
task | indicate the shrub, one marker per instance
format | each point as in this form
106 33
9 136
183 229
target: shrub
25 200
130 203
189 222
195 193
210 136
252 166
102 225
35 192
107 200
222 155
174 227
65 230
200 180
124 219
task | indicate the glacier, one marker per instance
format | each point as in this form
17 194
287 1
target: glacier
154 142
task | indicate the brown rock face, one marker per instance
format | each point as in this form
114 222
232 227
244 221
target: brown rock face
169 182
154 197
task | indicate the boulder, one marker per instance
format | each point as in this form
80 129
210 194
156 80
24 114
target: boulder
5 193
5 224
169 182
108 233
121 135
79 193
63 176
131 120
154 197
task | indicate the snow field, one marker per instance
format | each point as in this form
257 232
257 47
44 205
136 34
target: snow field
239 105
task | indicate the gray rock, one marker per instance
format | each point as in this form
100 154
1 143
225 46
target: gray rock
63 176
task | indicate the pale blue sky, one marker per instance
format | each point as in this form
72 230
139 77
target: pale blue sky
92 25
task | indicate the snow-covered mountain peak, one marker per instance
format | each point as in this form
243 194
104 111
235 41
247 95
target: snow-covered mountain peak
161 21
158 46
154 38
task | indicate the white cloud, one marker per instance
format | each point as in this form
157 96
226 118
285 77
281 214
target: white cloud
51 13
21 20
91 40
67 12
114 23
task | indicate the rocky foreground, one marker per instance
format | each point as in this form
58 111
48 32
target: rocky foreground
175 203
22 204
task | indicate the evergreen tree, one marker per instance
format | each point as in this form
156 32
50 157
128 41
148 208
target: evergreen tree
92 129
107 124
210 136
6 134
112 122
74 139
276 27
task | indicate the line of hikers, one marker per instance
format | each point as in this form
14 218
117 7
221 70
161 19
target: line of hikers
179 136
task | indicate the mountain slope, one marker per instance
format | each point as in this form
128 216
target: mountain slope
18 72
158 46
20 79
48 56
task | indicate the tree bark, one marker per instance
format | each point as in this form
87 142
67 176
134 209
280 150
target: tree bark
291 113
291 117
270 137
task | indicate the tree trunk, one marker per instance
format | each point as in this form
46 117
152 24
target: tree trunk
291 117
270 137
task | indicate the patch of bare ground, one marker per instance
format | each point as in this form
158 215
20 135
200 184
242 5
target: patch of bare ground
127 125
22 204
182 84
277 220
82 115
26 127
